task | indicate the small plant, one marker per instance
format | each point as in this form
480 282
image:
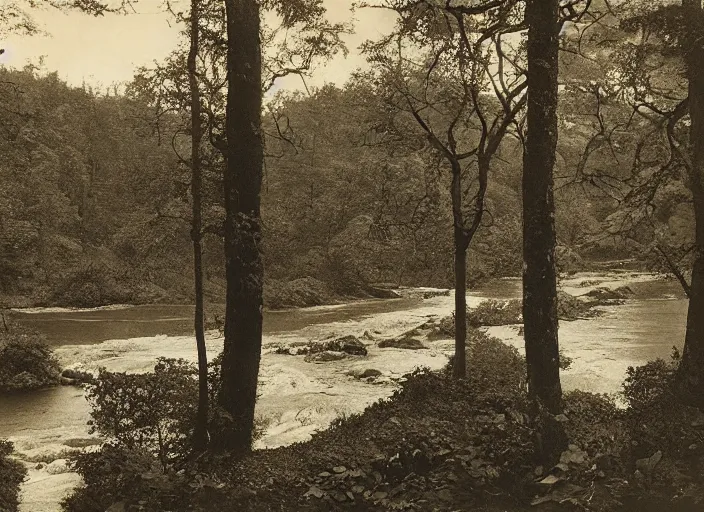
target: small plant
154 412
12 474
26 362
496 312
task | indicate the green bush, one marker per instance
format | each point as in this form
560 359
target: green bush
150 412
496 312
657 418
112 474
595 423
12 474
91 286
26 363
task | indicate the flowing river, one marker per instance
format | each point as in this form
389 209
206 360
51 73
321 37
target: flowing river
297 397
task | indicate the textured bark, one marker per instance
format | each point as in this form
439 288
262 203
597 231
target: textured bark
243 262
459 365
692 367
539 274
200 434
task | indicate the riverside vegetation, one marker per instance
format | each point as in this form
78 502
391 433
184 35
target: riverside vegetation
501 136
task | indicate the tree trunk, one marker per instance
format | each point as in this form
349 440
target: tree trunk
539 274
200 433
459 366
692 367
243 262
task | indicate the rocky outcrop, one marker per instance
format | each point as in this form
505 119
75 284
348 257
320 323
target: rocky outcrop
404 342
346 346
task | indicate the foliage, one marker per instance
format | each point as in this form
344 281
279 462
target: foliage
657 417
496 312
152 412
297 293
26 363
596 424
91 286
12 474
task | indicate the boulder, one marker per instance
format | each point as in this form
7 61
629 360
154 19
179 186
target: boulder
347 344
403 342
323 357
383 293
58 467
78 376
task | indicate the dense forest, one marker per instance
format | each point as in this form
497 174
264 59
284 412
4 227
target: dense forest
96 207
526 139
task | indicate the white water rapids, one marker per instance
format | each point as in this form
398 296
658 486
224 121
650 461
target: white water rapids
298 398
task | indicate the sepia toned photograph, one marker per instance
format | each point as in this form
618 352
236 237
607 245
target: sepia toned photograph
351 255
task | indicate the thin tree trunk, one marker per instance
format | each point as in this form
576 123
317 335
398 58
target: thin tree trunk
200 434
459 366
243 267
692 367
539 274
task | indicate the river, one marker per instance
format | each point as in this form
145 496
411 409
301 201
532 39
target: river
298 397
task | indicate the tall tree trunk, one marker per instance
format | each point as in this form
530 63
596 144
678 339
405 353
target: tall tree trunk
692 367
243 262
539 274
459 366
200 434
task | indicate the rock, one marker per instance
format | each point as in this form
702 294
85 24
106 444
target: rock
315 492
41 465
58 467
339 469
369 372
436 293
323 357
347 344
383 293
403 342
647 465
550 480
379 495
603 294
78 376
368 336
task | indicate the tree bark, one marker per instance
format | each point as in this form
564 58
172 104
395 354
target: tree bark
200 433
243 262
539 273
692 365
459 365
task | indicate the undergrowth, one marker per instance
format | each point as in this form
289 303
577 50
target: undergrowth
440 444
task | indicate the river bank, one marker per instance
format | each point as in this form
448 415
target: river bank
299 397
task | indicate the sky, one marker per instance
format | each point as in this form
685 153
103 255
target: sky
106 50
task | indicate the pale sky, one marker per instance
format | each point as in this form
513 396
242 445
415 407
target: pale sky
105 50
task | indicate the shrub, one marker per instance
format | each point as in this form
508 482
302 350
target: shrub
91 286
155 412
110 475
152 412
493 367
12 474
496 312
26 363
657 418
595 423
